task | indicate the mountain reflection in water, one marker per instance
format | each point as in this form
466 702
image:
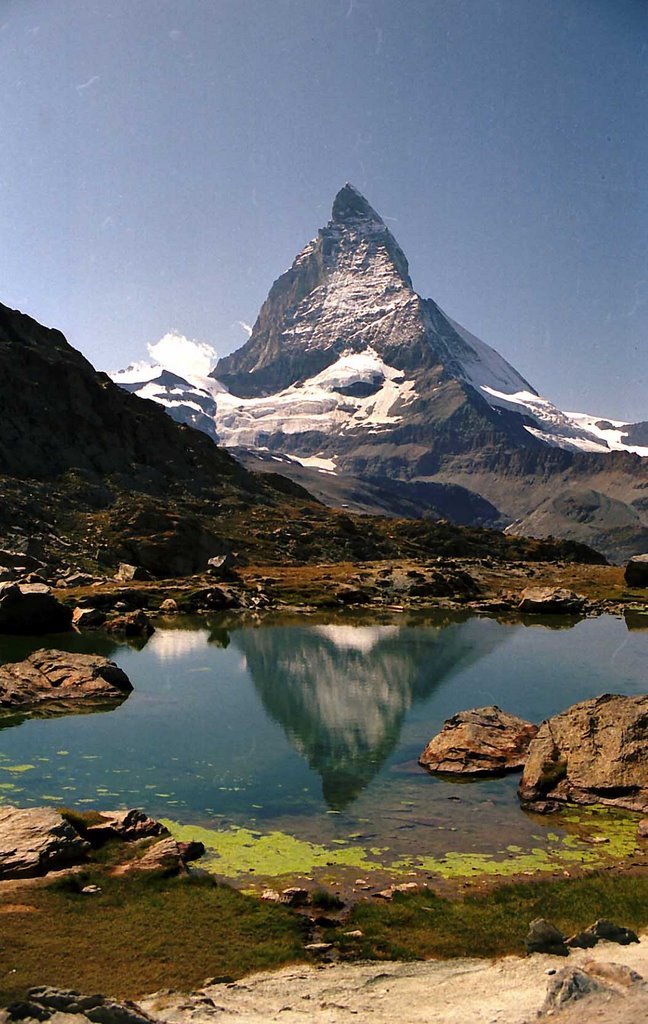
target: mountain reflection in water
341 692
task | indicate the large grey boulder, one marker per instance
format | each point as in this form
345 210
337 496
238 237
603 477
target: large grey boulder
35 840
479 741
31 608
636 571
594 752
55 676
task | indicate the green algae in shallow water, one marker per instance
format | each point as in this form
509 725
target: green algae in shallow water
17 767
238 851
619 829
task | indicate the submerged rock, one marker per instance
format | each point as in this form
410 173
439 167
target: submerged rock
594 752
60 676
479 741
35 840
31 608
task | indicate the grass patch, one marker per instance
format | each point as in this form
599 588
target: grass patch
81 820
140 934
146 932
325 900
424 925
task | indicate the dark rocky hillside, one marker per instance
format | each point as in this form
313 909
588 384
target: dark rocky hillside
91 475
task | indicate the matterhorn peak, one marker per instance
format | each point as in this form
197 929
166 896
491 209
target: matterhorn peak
350 205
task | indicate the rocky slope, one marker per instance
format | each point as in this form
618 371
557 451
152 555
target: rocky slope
351 373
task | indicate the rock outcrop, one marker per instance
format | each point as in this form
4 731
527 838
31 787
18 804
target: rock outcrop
479 741
168 856
129 825
46 1003
636 571
594 752
53 676
36 840
32 609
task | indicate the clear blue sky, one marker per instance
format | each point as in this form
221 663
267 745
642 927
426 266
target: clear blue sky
163 161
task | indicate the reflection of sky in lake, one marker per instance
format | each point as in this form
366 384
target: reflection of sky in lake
279 723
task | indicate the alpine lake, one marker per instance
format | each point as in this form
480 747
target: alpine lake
289 746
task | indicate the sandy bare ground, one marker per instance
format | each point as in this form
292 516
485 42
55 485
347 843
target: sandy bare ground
507 991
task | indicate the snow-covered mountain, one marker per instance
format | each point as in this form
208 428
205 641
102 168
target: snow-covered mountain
319 362
349 371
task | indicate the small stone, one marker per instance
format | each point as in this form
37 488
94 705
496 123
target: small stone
318 947
127 572
384 894
162 856
83 618
544 937
354 934
581 940
191 850
294 896
169 606
91 890
604 929
271 895
642 830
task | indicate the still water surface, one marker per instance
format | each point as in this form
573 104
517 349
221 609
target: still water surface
313 729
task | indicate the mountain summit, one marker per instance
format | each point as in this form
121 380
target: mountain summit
351 373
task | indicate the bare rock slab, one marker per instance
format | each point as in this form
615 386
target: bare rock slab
594 752
50 676
35 840
479 741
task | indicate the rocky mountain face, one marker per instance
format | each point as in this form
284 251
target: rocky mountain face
349 371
